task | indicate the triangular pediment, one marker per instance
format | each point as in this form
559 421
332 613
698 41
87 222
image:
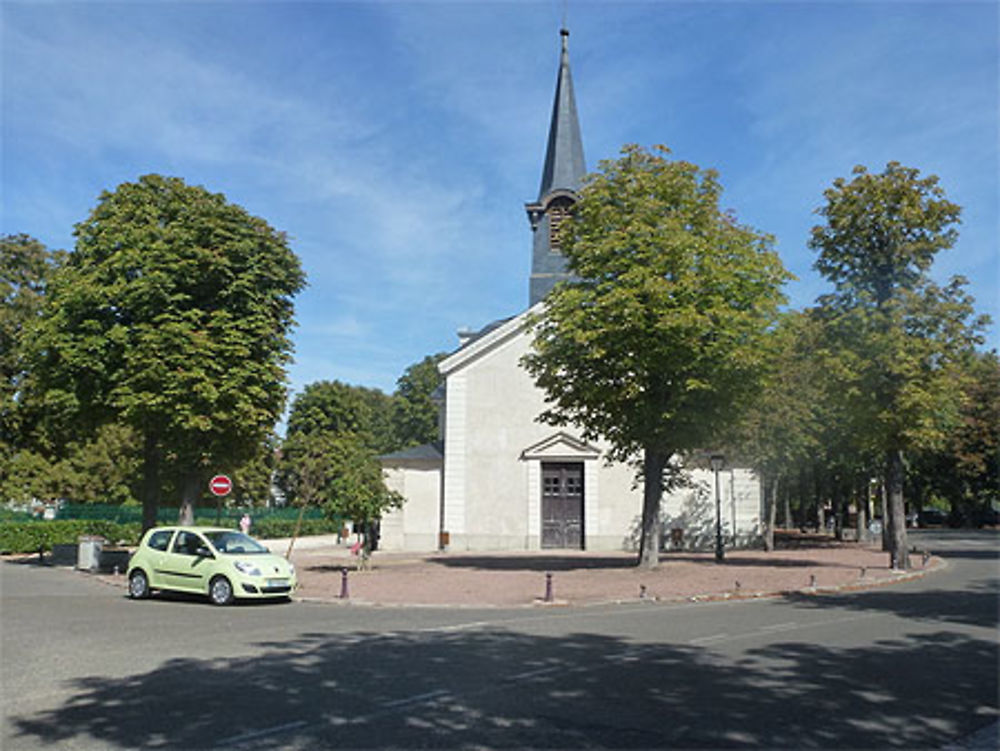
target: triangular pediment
489 340
561 446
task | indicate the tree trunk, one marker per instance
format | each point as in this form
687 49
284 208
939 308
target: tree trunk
838 510
295 534
771 510
861 501
189 496
883 499
654 463
150 482
898 555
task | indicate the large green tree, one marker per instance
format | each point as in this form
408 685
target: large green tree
26 267
329 457
415 418
341 409
657 343
172 316
908 335
782 427
966 471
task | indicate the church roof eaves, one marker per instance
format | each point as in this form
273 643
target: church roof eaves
492 338
427 452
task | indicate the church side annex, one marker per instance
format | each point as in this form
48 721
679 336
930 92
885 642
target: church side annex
500 480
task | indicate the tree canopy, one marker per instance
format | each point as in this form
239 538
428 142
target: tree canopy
26 266
658 340
908 338
329 457
415 417
172 315
341 409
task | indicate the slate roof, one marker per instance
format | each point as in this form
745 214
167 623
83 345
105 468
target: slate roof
564 166
427 452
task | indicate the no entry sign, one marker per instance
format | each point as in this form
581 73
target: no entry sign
220 485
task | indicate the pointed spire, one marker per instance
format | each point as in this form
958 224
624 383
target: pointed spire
564 166
562 177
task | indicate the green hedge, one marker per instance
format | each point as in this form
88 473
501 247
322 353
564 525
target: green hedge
30 537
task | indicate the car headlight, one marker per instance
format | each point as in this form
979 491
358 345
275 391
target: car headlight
247 568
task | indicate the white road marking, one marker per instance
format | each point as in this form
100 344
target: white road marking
708 639
533 673
415 699
261 733
789 626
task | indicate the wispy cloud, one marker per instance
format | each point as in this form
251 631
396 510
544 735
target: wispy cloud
397 142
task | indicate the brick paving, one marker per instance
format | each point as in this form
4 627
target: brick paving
522 578
802 563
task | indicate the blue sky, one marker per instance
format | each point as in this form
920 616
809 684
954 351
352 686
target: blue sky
397 142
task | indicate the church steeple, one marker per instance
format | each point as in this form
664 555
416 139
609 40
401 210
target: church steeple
562 176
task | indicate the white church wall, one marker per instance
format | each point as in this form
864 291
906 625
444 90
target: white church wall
492 491
500 410
688 514
415 525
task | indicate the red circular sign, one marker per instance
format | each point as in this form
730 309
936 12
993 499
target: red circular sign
220 485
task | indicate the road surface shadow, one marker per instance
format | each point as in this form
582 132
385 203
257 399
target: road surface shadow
976 605
495 688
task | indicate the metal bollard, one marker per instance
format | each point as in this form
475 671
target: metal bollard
548 586
344 594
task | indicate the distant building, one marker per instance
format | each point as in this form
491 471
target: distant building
501 480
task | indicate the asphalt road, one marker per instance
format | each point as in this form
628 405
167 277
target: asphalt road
910 666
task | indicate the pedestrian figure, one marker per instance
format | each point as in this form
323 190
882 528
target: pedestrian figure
245 524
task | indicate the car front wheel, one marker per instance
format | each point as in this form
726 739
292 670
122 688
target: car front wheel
138 585
220 591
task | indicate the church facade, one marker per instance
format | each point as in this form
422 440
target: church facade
499 479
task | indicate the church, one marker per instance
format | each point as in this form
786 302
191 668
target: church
499 479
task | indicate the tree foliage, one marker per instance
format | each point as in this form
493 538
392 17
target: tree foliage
415 417
658 340
329 457
340 409
26 266
172 316
908 336
782 428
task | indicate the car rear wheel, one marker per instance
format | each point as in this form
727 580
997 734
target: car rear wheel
220 591
138 585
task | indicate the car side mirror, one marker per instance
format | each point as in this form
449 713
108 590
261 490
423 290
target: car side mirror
203 552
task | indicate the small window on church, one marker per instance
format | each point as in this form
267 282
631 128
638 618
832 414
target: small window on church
558 210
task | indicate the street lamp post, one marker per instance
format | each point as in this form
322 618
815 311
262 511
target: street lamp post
720 553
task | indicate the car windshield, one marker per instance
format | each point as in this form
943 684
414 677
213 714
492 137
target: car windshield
235 542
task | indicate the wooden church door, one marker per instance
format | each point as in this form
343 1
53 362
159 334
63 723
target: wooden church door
562 505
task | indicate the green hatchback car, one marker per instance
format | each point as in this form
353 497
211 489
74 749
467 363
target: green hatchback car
221 563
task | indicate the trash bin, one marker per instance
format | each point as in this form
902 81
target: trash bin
88 555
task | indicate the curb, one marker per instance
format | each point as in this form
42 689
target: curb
934 564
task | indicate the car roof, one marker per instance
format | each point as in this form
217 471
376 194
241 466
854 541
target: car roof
191 528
